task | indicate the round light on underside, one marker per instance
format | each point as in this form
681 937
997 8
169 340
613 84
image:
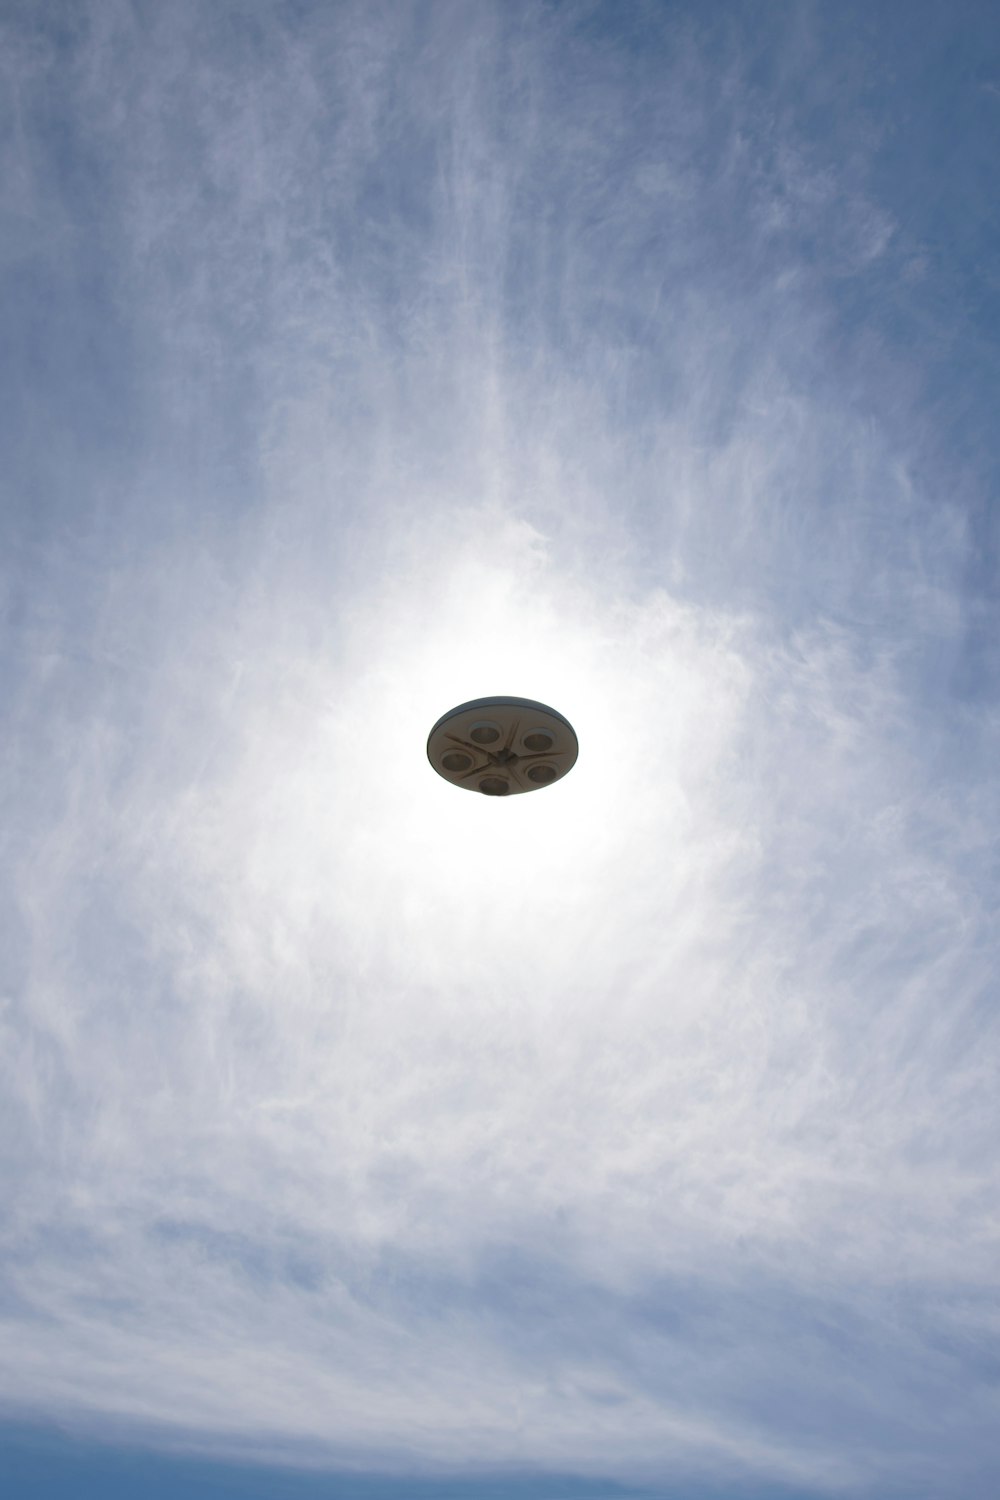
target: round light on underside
502 746
456 760
541 775
485 733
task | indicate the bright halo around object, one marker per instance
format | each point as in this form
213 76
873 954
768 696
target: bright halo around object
499 746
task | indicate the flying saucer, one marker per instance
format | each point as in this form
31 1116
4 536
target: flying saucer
500 746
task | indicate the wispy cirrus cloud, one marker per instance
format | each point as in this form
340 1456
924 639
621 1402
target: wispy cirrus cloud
643 1129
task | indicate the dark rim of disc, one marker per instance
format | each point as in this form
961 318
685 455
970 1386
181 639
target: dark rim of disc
501 703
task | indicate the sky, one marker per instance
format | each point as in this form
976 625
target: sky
360 1139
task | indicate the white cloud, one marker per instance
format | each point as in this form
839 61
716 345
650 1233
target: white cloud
642 1124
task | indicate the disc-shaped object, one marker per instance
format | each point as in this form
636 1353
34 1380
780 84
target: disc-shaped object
500 746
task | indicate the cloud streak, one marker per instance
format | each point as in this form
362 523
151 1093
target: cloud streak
640 1130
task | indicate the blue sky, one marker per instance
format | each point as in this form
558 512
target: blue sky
364 1139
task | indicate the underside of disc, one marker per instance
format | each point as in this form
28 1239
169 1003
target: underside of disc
502 746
